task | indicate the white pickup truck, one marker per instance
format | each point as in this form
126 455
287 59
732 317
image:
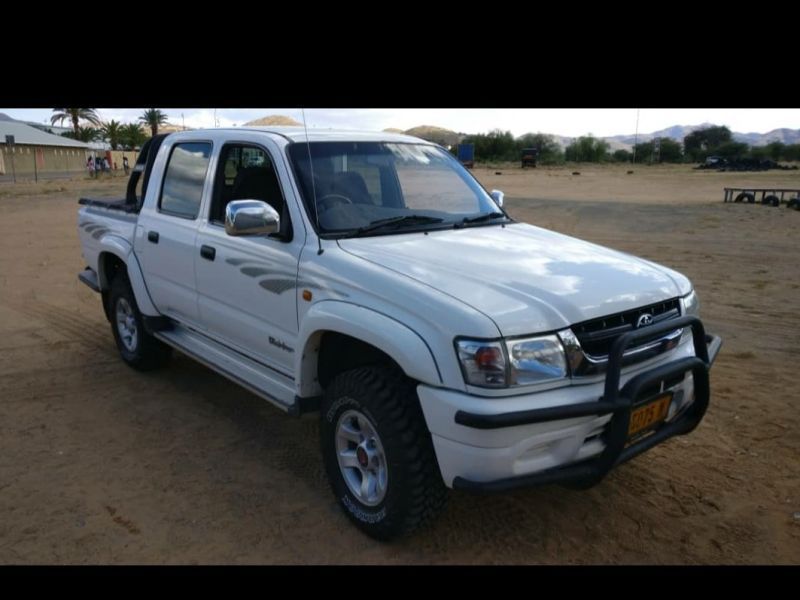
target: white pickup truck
369 277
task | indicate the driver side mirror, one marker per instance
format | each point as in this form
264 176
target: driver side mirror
497 196
251 217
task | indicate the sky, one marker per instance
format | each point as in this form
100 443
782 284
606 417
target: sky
570 122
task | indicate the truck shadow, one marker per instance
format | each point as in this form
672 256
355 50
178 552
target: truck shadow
547 523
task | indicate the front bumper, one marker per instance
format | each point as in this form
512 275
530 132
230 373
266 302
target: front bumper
557 436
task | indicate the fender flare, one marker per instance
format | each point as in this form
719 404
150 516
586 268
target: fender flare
123 250
404 345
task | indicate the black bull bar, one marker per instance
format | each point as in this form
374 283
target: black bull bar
617 402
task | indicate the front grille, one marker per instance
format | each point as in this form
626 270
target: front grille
597 336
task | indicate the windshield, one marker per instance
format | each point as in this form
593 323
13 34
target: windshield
380 188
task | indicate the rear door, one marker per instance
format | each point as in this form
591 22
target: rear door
247 285
167 230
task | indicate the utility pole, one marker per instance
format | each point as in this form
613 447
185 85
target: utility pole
635 137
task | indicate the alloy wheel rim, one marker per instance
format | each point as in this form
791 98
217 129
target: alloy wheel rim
126 325
361 458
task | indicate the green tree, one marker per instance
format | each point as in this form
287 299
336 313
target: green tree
75 115
669 151
493 146
622 155
548 150
731 150
643 152
132 136
85 134
587 149
776 150
704 142
113 132
152 118
791 152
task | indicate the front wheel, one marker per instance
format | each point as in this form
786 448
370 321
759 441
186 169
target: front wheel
378 453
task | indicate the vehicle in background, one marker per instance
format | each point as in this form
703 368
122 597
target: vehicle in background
529 156
466 155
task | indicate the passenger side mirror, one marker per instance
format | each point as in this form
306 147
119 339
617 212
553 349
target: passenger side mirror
497 196
251 217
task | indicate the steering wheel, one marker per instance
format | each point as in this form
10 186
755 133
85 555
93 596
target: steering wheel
336 197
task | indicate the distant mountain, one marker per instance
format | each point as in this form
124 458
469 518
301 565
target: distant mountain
785 136
437 135
678 132
273 121
171 128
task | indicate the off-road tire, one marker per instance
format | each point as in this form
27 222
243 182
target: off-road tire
771 200
149 352
415 492
745 197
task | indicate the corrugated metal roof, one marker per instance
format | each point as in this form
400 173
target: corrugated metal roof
25 134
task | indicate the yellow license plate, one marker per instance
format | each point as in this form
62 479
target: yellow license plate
648 415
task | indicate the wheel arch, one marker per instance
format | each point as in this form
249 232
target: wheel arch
116 256
355 331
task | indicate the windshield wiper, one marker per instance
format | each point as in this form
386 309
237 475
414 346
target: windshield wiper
481 218
401 220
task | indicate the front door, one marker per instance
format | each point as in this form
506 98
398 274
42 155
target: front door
247 285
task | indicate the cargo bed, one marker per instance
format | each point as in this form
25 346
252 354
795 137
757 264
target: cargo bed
120 204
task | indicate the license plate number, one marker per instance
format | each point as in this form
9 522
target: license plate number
649 414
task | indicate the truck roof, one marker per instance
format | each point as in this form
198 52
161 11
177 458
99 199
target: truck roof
298 134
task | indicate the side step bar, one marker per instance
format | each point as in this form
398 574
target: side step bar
89 277
248 373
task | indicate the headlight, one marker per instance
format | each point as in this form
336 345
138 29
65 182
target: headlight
691 304
536 359
512 362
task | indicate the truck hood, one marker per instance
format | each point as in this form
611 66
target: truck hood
525 278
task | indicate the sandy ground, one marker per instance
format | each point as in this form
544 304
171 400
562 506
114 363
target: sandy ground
102 464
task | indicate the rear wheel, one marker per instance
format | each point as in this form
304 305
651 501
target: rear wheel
137 348
378 453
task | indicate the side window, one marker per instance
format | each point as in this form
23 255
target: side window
184 178
245 173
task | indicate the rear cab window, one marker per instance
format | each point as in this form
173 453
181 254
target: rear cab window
184 178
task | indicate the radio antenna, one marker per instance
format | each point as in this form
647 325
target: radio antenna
313 184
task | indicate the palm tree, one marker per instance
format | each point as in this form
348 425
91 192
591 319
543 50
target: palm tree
85 134
113 131
153 118
75 115
132 136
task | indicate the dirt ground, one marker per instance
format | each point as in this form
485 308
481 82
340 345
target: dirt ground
102 464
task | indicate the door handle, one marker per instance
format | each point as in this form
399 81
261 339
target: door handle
152 236
208 252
